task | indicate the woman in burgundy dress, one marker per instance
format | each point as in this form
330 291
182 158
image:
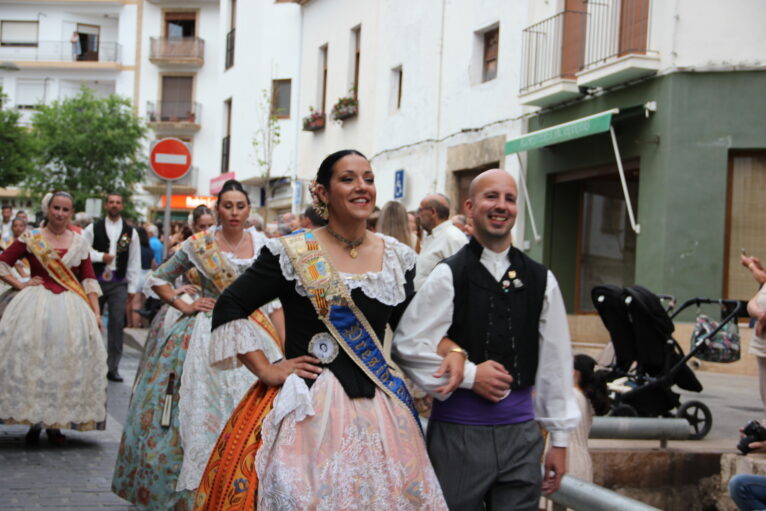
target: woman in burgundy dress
52 357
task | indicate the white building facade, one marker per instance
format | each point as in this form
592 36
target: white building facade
435 89
50 49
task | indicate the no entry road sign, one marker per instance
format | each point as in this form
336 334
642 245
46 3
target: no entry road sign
170 159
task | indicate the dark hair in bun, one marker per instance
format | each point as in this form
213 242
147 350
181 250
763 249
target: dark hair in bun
232 185
199 211
325 168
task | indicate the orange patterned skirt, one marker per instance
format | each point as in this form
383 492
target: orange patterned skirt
229 482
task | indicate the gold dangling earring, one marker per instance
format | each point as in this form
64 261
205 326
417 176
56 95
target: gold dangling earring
319 206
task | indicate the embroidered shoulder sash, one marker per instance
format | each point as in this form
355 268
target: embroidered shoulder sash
217 268
50 259
332 300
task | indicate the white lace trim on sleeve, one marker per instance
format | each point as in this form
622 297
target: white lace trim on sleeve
271 307
152 280
91 286
5 269
238 337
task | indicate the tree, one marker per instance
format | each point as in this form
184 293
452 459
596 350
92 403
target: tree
265 141
88 146
17 147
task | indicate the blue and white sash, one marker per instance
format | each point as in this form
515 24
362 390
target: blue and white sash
332 300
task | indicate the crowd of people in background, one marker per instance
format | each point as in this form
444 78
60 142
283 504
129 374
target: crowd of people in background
211 292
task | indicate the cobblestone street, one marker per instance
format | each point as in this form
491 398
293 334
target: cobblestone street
74 477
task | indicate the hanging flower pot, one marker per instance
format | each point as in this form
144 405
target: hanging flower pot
345 108
315 121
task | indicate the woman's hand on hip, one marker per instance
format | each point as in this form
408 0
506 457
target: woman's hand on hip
275 374
203 304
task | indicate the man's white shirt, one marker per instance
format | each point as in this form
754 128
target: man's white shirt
429 316
113 231
445 239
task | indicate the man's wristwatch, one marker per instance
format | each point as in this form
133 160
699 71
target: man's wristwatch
459 350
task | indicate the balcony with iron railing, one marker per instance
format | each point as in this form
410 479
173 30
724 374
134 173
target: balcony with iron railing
551 57
174 51
603 46
57 52
187 185
617 43
173 117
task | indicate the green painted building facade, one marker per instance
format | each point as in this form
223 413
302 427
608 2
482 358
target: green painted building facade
678 163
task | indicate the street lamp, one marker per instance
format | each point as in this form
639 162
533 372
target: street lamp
9 66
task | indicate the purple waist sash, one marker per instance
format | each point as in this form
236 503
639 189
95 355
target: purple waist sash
466 407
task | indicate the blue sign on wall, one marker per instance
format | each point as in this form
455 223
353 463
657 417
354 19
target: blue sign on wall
399 184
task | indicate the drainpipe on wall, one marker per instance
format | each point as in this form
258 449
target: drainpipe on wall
297 183
439 100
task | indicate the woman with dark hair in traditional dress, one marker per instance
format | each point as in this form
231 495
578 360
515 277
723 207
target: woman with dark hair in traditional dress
188 388
52 357
337 424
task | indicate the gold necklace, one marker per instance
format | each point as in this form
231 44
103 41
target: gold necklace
351 244
56 234
233 250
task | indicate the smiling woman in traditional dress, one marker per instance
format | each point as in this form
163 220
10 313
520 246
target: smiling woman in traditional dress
342 432
52 358
188 388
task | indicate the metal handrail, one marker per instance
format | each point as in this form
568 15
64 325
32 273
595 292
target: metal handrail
61 51
173 111
582 496
543 46
177 48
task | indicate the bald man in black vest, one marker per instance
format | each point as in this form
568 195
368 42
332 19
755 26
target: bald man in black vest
507 314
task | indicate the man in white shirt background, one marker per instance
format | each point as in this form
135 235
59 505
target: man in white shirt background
507 313
116 257
443 240
5 228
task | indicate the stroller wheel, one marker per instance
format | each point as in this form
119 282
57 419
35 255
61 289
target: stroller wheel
623 410
698 416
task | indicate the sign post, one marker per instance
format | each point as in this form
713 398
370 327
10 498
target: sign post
170 159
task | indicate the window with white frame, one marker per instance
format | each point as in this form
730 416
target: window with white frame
18 33
29 94
485 54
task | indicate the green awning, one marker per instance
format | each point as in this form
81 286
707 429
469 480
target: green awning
596 123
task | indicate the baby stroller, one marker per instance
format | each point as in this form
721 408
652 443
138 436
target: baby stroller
649 359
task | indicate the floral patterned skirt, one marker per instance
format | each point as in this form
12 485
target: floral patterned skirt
150 455
324 451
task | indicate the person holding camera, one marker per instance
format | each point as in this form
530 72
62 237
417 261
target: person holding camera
748 491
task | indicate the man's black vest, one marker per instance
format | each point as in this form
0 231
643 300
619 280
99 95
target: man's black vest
101 243
498 320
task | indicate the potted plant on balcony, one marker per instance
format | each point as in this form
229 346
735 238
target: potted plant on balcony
314 121
345 107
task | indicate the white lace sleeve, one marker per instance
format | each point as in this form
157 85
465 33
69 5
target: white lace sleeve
271 307
238 337
91 286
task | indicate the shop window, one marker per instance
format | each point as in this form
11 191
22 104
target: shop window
746 221
607 253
